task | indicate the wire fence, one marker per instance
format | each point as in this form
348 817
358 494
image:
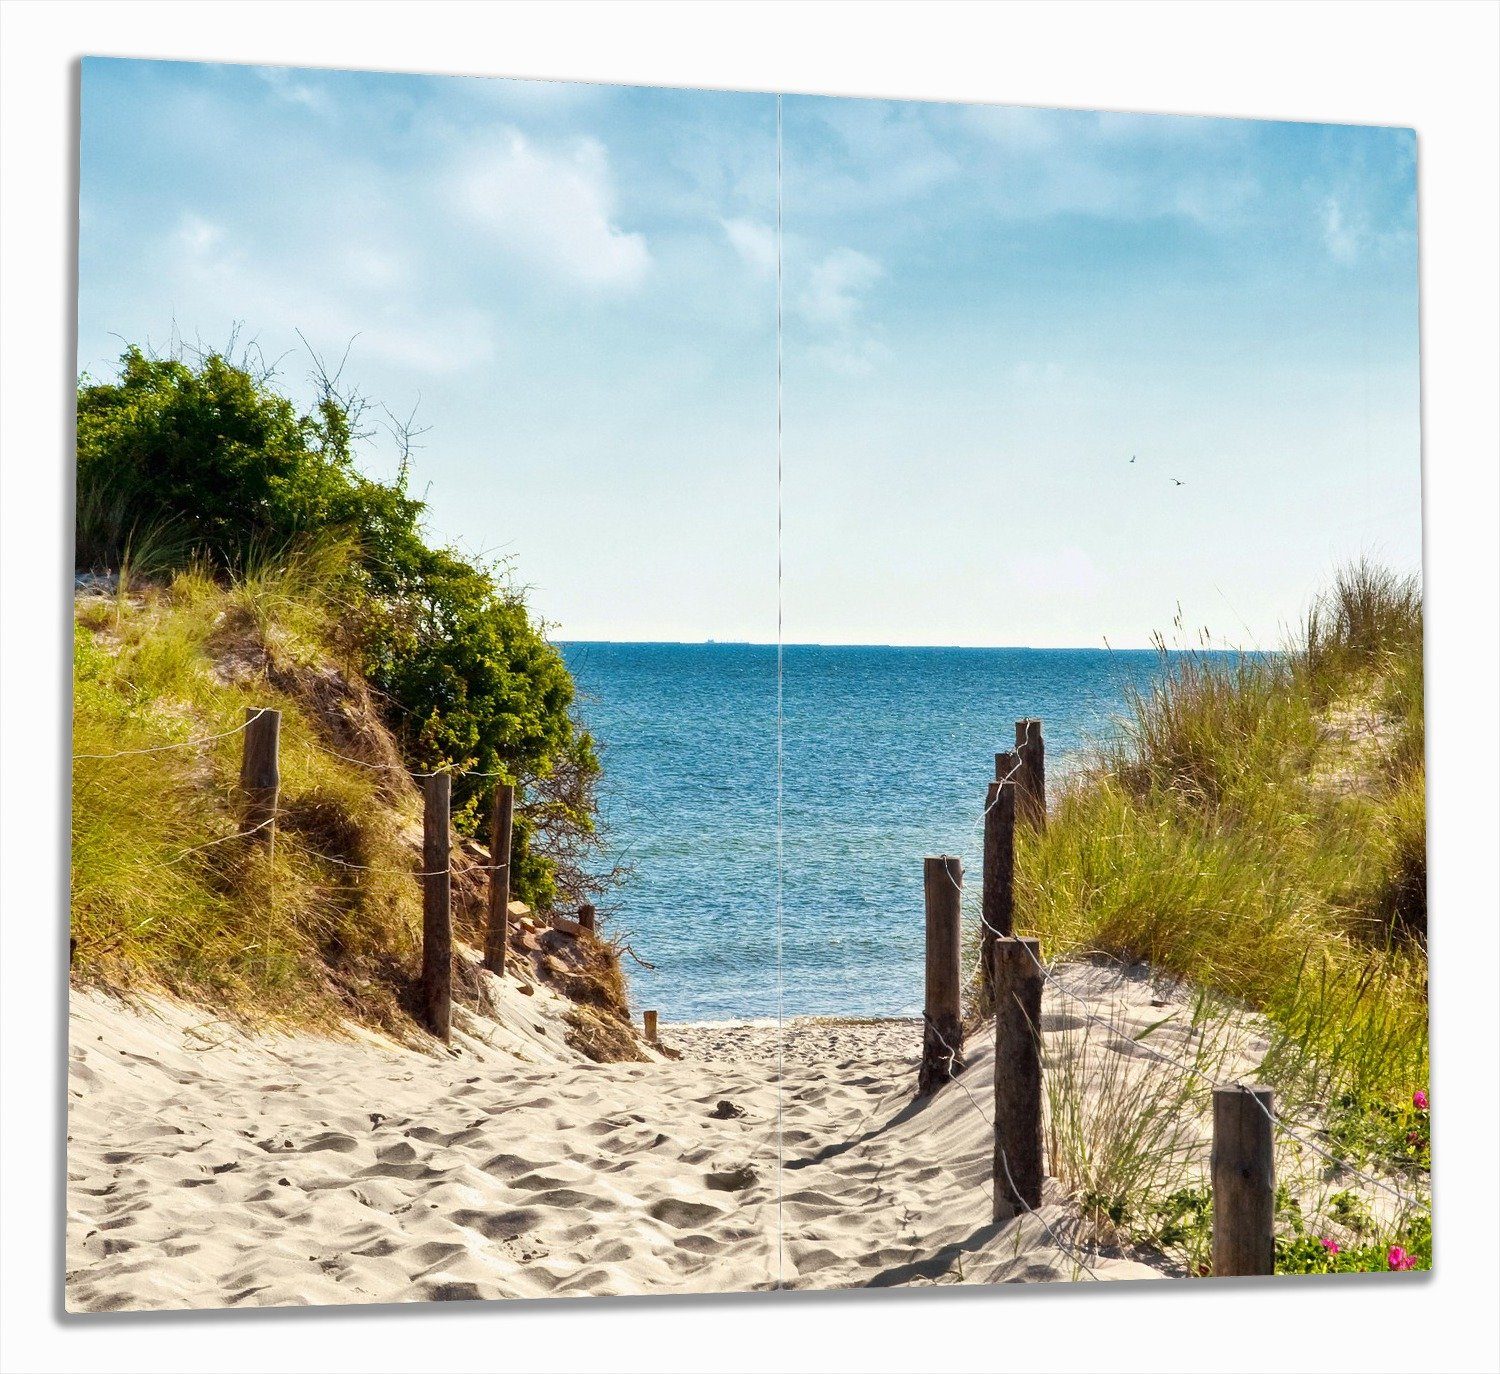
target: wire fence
1343 1168
1016 1195
968 979
251 717
198 743
1192 1070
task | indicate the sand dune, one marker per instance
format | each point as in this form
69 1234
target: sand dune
209 1167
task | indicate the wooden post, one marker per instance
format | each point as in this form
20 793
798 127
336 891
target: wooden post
650 1019
997 906
1031 803
497 927
942 1030
1244 1182
586 917
1017 1170
437 920
260 772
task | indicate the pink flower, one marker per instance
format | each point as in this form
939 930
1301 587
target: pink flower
1399 1259
1419 1100
1330 1245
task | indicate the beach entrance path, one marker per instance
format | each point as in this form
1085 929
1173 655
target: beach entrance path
210 1167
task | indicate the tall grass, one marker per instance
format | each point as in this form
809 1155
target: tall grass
1124 1133
1243 834
165 891
1368 620
110 535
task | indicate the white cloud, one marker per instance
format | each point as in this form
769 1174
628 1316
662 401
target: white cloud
854 355
830 300
197 237
290 86
214 278
831 293
552 208
877 153
1119 166
449 341
755 243
1341 236
374 267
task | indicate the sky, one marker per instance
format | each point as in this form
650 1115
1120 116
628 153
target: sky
987 313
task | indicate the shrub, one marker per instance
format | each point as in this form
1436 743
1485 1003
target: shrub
1409 1247
201 463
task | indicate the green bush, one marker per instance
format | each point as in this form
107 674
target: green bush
214 461
203 463
1410 1247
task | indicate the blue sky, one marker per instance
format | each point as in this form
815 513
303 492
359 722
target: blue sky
988 310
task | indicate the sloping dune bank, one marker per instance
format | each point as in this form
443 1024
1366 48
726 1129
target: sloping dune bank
211 1167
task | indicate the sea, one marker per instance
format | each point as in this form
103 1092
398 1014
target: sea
886 753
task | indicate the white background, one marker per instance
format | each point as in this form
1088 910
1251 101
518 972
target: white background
1432 66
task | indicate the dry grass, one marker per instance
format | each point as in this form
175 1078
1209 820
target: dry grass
164 889
1126 1132
167 893
1207 842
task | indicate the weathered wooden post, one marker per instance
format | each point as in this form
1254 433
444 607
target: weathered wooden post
942 1029
997 894
260 772
586 917
650 1022
1244 1181
437 920
1017 1171
1031 803
497 927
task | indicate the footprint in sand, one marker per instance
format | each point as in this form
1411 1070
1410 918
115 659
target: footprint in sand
679 1213
411 1172
331 1140
507 1166
435 1252
734 1180
450 1292
1053 1021
571 1197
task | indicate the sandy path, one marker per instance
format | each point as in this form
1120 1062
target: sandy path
211 1168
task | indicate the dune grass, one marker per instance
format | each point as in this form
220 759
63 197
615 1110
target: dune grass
164 890
1259 829
1123 1134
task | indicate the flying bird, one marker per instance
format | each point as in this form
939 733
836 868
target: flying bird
1177 481
1132 457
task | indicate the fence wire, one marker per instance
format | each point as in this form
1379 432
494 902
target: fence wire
178 744
1192 1070
967 981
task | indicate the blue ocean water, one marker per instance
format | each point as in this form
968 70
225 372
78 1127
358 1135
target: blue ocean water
887 752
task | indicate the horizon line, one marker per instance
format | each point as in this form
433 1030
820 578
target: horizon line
825 644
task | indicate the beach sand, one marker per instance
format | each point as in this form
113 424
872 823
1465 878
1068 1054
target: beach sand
211 1167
